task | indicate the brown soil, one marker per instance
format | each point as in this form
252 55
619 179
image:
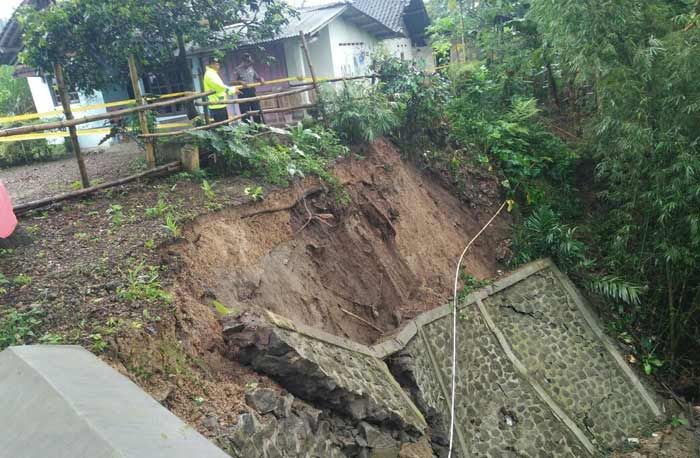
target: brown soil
388 256
390 252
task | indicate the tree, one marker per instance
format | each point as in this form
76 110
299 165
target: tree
92 39
15 96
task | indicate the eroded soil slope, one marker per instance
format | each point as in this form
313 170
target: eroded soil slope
384 257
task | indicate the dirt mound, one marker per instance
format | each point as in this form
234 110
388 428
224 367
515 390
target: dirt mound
386 256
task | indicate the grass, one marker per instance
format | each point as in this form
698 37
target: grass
143 284
19 328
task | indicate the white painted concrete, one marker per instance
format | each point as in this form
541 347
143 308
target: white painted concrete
351 48
63 402
41 93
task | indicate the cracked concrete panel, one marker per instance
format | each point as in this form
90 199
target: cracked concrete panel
498 413
320 368
550 336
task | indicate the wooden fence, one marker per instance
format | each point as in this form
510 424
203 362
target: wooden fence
278 104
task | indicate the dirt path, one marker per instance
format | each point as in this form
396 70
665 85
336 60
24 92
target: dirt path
37 181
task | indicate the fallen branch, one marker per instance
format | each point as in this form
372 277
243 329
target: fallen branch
162 170
303 196
362 320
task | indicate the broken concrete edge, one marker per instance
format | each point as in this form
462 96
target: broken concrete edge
594 323
397 342
350 345
317 334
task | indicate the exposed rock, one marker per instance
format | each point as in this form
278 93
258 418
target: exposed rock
263 400
283 409
376 438
420 449
211 422
349 382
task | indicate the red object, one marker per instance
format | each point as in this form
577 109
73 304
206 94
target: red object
8 220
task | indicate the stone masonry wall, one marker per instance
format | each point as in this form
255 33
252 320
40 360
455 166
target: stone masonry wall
536 378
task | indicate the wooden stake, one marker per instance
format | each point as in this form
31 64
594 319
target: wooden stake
305 47
65 101
362 320
143 118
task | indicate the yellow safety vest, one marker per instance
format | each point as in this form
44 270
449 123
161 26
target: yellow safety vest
213 82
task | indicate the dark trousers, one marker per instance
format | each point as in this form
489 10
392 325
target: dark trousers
250 106
218 114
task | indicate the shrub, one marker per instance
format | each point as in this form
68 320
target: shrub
275 155
420 97
27 152
18 328
358 112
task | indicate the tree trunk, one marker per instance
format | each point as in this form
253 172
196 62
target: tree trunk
553 90
186 73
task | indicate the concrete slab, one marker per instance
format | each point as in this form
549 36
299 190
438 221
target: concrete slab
62 401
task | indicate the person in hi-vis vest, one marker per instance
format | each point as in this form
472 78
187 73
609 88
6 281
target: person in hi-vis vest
213 82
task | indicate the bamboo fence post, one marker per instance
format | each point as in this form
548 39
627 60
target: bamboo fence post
65 102
305 47
143 118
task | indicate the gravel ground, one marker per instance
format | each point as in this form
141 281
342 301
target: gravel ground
36 181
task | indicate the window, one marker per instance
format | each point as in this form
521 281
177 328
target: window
53 87
166 81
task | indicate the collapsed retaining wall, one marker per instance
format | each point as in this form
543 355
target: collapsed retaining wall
536 375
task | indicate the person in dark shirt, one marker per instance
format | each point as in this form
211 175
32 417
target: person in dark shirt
246 74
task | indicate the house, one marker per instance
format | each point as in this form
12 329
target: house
341 35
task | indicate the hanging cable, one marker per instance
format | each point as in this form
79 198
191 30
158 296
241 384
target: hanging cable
454 323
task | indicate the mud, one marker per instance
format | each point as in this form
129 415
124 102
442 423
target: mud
383 258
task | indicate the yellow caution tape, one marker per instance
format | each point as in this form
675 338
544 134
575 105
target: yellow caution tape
81 133
80 109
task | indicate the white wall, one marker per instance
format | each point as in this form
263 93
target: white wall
351 48
399 47
41 93
343 49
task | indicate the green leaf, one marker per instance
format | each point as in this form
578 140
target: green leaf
221 308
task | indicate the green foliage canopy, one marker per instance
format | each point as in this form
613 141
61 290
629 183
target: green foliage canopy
92 39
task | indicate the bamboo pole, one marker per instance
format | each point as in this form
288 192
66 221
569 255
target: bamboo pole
143 118
229 121
98 117
75 144
305 48
167 168
257 98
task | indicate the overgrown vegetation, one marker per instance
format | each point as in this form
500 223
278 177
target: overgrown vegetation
613 197
16 99
19 327
277 156
358 112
